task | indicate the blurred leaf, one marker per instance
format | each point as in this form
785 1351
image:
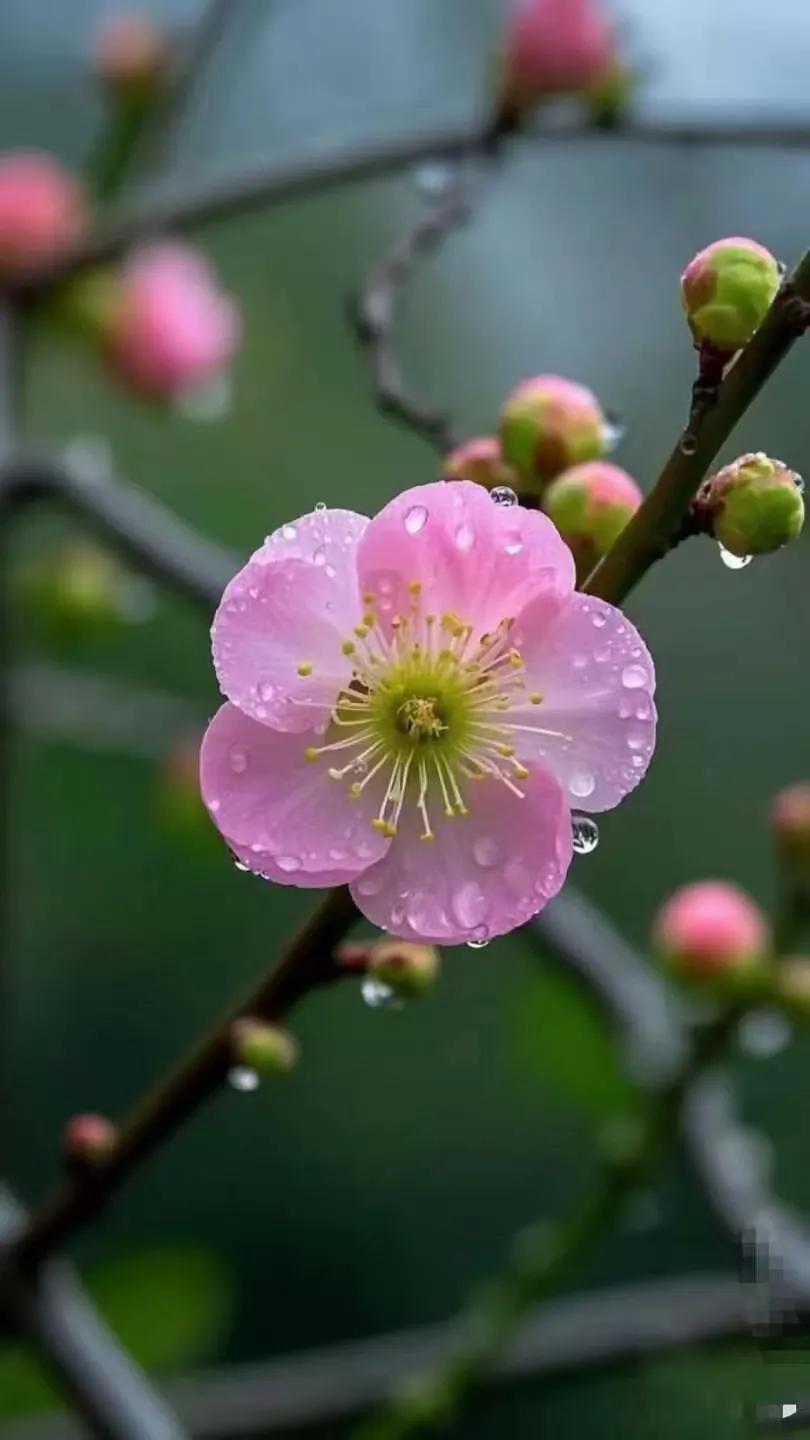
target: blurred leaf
559 1035
168 1309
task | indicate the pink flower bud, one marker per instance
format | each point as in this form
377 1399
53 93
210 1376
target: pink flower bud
89 1138
42 212
478 460
711 929
409 970
173 329
790 820
554 47
727 291
132 54
549 424
752 506
590 504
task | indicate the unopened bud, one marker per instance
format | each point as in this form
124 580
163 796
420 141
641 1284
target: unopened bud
792 985
548 424
267 1049
89 1139
76 589
753 506
712 932
590 505
790 823
407 969
553 47
727 291
133 56
479 460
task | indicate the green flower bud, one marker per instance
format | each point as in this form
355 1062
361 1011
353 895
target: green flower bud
407 969
754 505
267 1049
727 291
792 985
548 424
590 505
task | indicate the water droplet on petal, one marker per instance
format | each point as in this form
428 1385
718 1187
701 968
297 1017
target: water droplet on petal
289 532
633 677
243 1079
599 620
485 852
465 537
266 691
288 863
319 555
370 883
582 784
378 995
478 942
503 495
585 833
514 543
241 866
416 519
471 905
320 506
763 1033
636 739
734 562
238 759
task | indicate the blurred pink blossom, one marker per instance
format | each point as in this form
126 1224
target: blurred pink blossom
555 47
414 704
42 212
173 329
131 53
709 927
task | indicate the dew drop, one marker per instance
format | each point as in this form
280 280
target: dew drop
582 784
514 544
288 863
369 884
266 691
319 555
379 996
465 537
643 710
688 444
238 759
241 866
614 431
798 481
471 905
485 852
330 573
578 662
416 519
243 1079
503 495
633 677
734 562
599 621
320 506
478 942
289 532
585 833
636 739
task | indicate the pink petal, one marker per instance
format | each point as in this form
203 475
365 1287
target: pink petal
275 806
597 680
326 537
484 874
480 560
277 638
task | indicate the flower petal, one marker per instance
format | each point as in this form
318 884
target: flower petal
480 560
270 802
277 638
484 874
326 537
595 727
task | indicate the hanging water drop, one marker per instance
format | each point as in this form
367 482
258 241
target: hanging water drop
432 178
379 996
243 1079
503 495
734 562
614 431
798 481
585 833
478 944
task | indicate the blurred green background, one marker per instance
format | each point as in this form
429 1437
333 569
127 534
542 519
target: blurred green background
391 1170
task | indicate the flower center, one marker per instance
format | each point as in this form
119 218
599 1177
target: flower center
430 708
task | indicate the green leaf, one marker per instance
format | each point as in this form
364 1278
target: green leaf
560 1036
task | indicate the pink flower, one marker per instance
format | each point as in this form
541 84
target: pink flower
41 212
554 47
709 928
173 329
414 704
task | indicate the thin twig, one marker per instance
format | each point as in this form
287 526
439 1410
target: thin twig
656 524
324 1388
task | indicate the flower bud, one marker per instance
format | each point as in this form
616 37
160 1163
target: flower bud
727 291
42 212
548 424
712 931
792 985
790 822
89 1139
267 1049
590 504
479 460
77 590
553 47
173 329
408 970
132 56
753 506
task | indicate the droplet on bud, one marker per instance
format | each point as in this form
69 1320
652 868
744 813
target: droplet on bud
585 833
379 996
734 562
242 1079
